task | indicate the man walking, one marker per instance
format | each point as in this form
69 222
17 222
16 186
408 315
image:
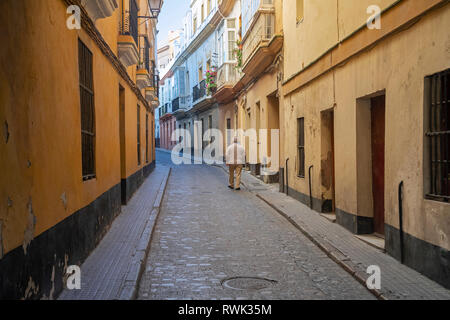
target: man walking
235 162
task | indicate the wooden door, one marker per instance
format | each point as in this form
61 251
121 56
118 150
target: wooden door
378 160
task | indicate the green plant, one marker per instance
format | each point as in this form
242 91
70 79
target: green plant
211 85
238 52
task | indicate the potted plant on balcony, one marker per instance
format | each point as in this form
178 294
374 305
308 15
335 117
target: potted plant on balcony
211 85
238 52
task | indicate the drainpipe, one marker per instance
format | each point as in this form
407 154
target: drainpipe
310 188
400 217
287 177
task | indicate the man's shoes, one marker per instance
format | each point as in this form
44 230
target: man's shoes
237 189
231 187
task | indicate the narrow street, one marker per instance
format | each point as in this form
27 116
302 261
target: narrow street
207 234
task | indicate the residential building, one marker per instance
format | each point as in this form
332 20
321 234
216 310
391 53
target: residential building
365 134
165 121
77 108
192 105
250 96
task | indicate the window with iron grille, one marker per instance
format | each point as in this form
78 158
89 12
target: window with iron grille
87 111
438 136
139 134
146 138
301 147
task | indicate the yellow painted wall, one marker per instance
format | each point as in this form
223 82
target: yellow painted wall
397 65
39 98
256 95
325 23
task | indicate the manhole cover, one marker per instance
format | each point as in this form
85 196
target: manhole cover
247 283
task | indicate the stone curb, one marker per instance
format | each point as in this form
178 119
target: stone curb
133 276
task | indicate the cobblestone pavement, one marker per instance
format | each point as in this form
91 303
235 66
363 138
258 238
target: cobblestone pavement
207 233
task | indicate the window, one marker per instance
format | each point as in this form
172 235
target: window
301 147
208 65
231 45
269 27
146 138
231 23
208 6
130 22
194 26
87 111
139 134
203 12
300 10
438 135
200 74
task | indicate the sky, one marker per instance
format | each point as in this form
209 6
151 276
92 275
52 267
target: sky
171 16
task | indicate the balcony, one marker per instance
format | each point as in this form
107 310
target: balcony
260 45
143 78
176 104
99 9
199 91
179 104
150 95
128 37
227 76
226 6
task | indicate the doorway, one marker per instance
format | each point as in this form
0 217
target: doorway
327 170
378 112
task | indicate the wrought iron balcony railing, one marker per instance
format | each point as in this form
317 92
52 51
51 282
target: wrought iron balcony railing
199 91
175 104
129 22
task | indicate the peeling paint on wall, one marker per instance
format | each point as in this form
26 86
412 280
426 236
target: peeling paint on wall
6 132
64 200
31 289
31 225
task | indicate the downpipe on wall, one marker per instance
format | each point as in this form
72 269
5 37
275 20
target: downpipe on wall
287 177
310 188
400 218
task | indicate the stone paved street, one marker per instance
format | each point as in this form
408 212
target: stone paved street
206 234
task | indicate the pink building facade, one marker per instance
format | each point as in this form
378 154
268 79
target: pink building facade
167 124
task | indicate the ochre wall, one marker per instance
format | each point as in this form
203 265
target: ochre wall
325 23
40 101
397 65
